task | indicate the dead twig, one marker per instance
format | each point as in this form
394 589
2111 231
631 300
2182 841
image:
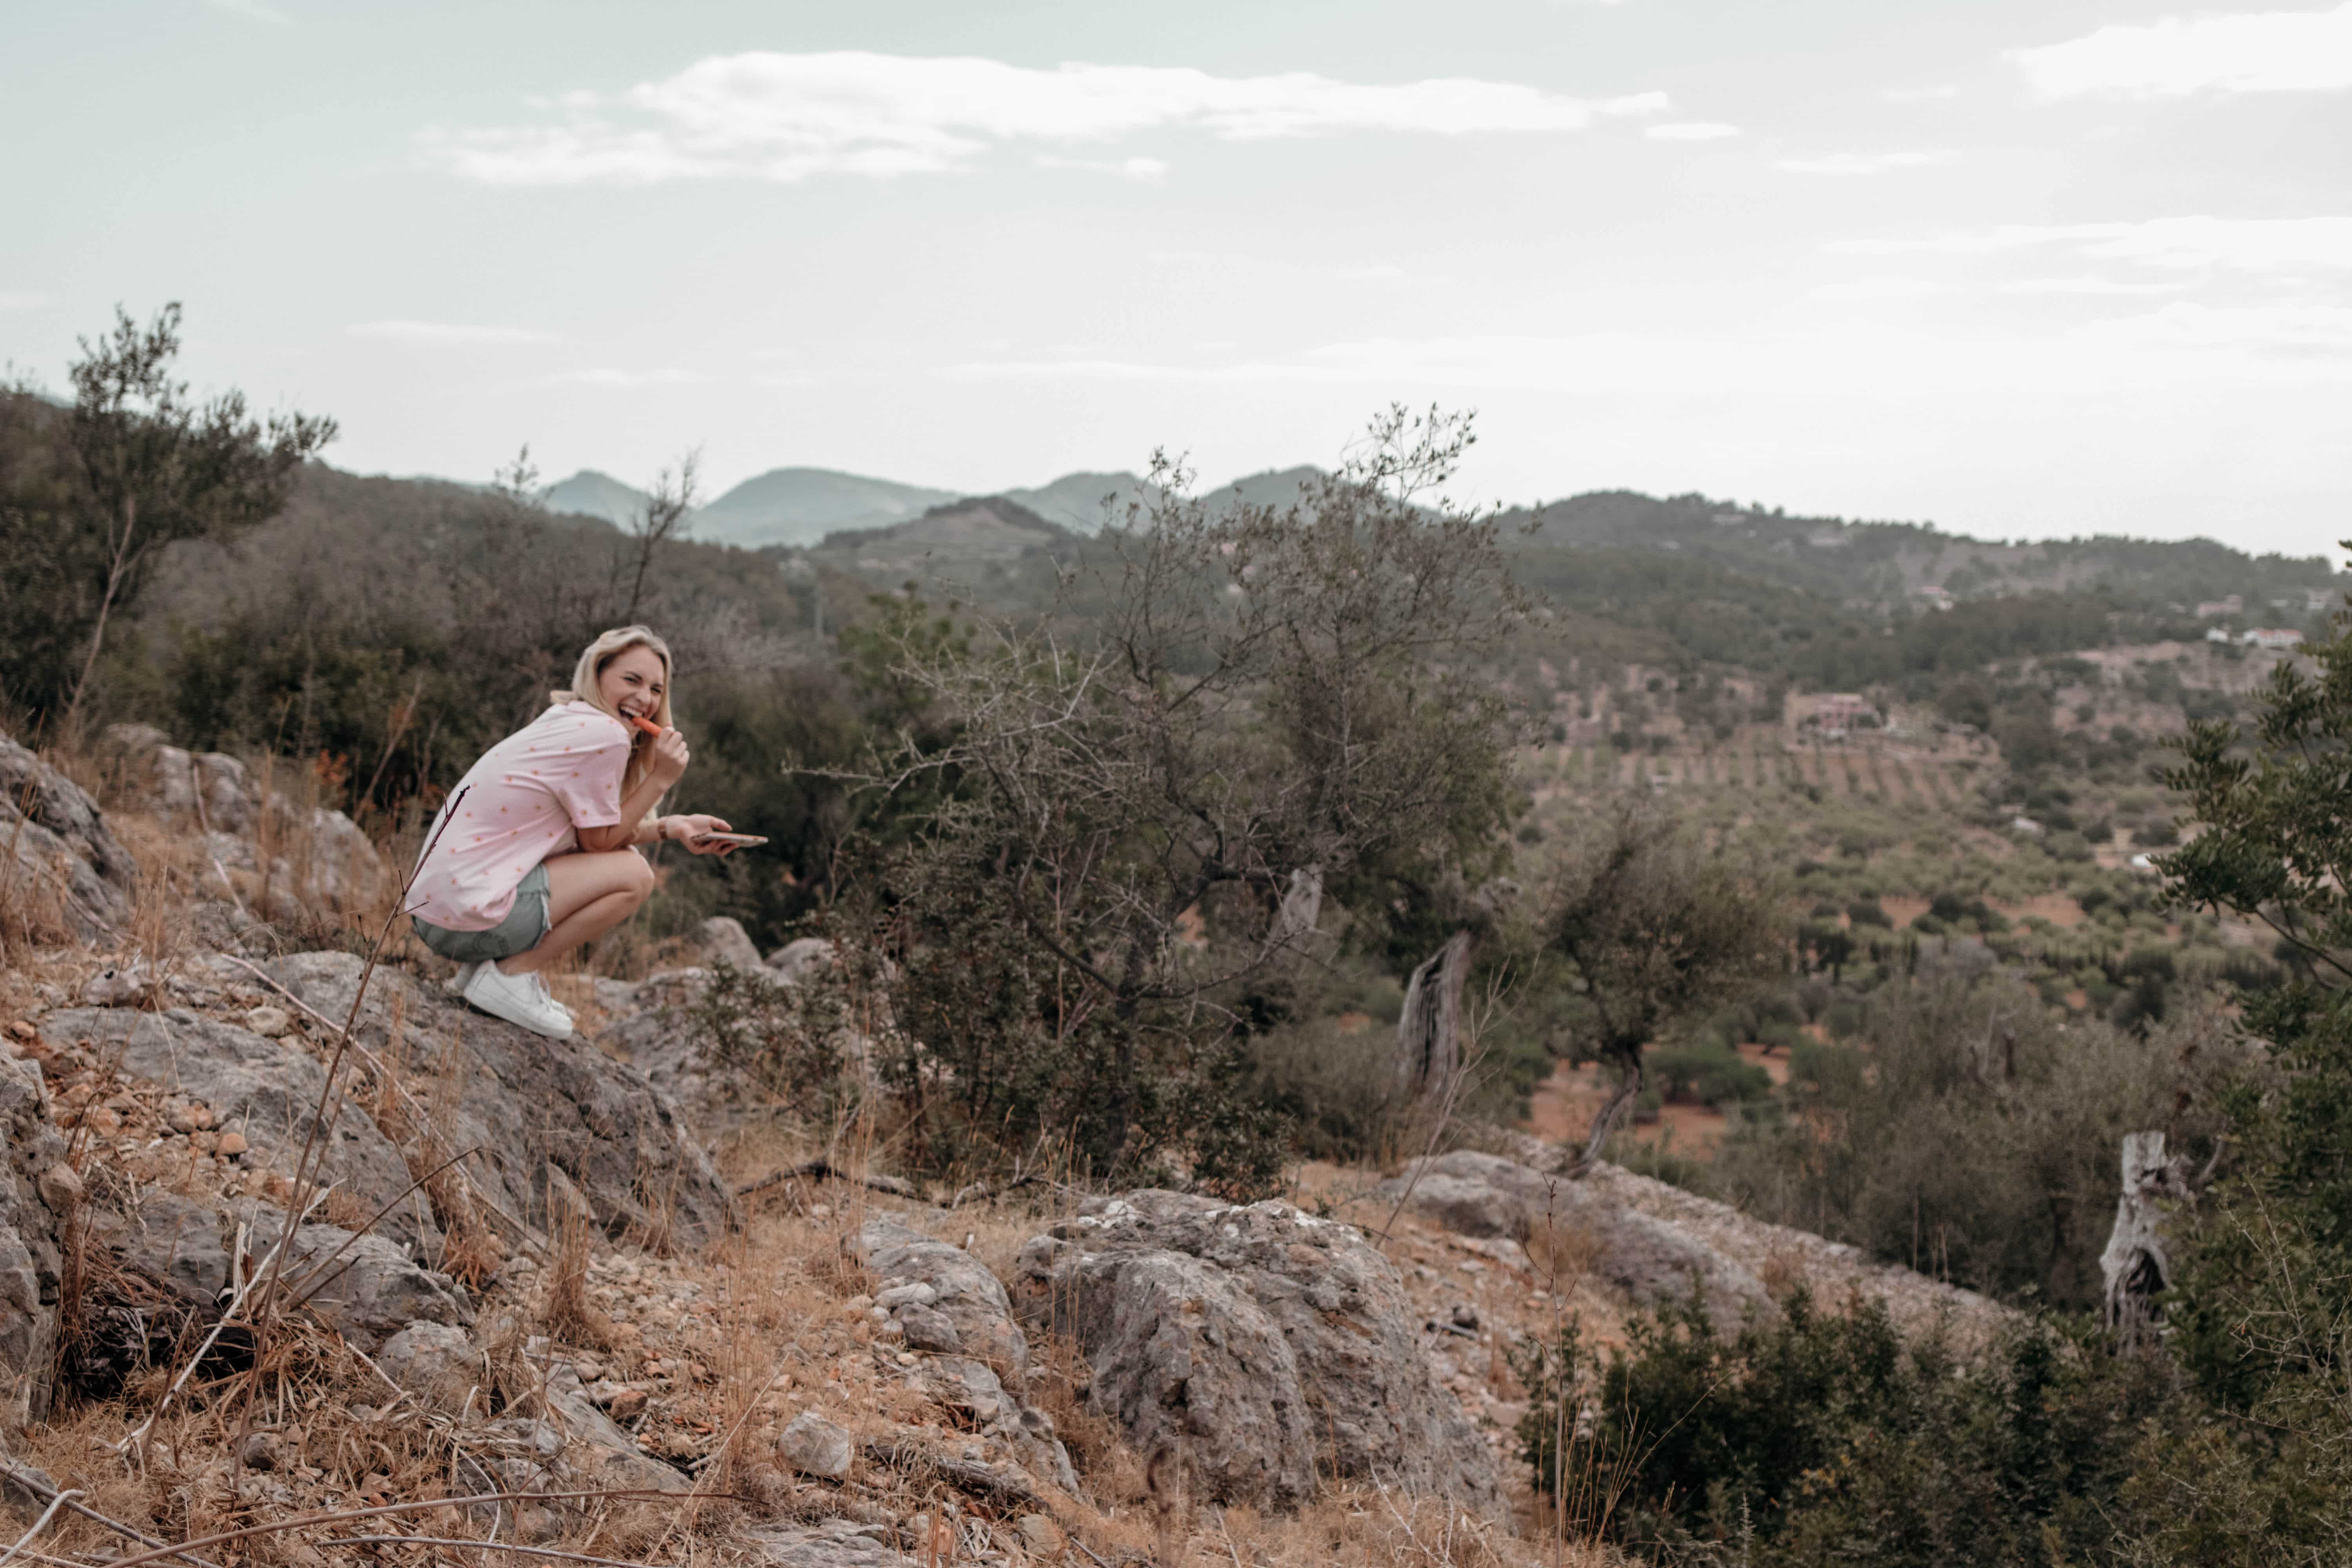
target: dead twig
29 1481
41 1524
338 1517
824 1169
494 1545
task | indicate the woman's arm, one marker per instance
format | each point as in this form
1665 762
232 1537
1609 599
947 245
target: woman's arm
670 757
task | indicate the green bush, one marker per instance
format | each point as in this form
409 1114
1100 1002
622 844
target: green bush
1868 912
1712 1074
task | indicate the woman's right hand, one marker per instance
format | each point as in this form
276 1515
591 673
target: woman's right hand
670 757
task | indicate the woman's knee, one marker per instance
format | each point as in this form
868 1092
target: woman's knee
637 877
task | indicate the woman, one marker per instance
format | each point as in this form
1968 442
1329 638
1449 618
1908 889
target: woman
540 855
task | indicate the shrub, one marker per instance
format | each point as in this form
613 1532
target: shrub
1868 912
1711 1074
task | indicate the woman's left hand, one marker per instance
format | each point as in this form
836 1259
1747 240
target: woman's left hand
690 831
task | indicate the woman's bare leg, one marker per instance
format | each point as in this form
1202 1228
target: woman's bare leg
588 894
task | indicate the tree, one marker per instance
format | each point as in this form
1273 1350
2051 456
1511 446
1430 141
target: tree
664 515
1651 924
1273 698
155 468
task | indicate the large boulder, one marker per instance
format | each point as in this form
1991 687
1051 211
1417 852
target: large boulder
315 855
62 864
32 1194
269 1091
522 1103
1256 1345
1643 1259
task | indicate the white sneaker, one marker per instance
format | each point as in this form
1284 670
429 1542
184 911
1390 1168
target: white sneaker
518 999
563 1007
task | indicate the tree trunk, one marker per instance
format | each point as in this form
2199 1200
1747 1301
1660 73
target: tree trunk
106 602
2136 1265
1302 907
1429 1030
1604 1121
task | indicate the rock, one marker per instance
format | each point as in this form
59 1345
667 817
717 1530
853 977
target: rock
1647 1261
259 1451
321 855
1256 1343
610 1455
266 1093
724 940
31 1232
941 1294
835 1543
268 1022
127 984
60 1188
364 1287
524 1102
1040 1536
815 1447
67 870
229 1145
436 1362
172 1239
796 961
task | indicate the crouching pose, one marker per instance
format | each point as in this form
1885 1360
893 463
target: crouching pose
534 854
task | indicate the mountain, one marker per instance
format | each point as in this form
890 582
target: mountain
1076 501
800 506
591 494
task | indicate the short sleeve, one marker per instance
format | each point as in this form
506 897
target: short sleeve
583 770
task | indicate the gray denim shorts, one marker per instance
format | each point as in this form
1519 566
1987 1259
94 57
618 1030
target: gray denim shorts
519 932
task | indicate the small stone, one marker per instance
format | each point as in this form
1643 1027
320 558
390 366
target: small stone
23 1030
929 1329
626 1403
229 1145
60 1187
260 1451
815 1447
1465 1316
908 1358
1040 1536
918 1295
268 1022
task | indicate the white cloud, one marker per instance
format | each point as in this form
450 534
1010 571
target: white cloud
1866 288
1690 130
668 375
2091 284
402 331
2252 245
2290 331
1934 94
2259 51
23 300
1148 169
792 116
1851 164
252 11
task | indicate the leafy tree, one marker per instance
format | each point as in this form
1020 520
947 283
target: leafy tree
1649 924
151 467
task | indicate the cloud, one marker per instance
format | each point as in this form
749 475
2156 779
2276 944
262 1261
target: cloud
23 300
1148 169
2256 51
252 11
668 375
1866 288
2091 285
1690 130
792 116
402 331
2250 245
2288 330
1853 163
1934 94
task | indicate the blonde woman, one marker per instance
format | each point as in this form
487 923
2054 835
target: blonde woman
540 855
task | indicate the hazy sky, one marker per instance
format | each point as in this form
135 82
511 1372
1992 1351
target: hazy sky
2018 268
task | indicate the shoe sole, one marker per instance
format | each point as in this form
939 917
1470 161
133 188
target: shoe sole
535 1025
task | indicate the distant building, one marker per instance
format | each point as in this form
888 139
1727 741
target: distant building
2235 605
1936 597
2317 599
2220 634
2273 637
2026 825
1835 712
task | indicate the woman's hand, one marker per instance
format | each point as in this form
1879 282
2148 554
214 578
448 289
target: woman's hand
690 831
670 757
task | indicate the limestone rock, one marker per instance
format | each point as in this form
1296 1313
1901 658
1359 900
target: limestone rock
1256 1344
609 1456
724 940
364 1287
64 864
434 1360
835 1543
30 1234
269 1091
524 1101
799 959
815 1447
1647 1261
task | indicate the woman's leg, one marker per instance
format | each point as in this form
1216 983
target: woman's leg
588 894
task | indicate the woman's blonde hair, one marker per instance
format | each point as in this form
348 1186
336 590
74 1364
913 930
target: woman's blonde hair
587 688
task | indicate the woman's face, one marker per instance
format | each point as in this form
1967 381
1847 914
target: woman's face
633 681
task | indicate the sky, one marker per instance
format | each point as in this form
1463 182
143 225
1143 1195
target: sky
2019 270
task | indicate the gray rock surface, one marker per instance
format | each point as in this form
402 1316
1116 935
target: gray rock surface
1258 1346
269 1091
30 1232
799 959
815 1447
61 861
723 940
1639 1257
524 1101
835 1543
597 1446
436 1362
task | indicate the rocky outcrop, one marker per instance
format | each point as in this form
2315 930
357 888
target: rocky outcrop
942 1300
269 1091
522 1103
1644 1260
60 865
723 940
313 855
1255 1345
32 1198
